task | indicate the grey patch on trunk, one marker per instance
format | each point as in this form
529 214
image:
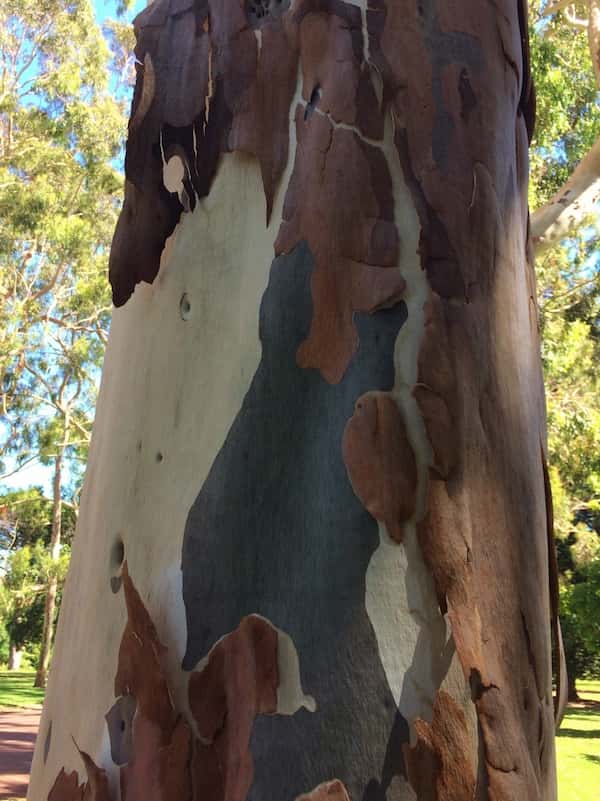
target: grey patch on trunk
276 530
119 721
47 742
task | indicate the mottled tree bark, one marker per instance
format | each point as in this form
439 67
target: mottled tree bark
314 553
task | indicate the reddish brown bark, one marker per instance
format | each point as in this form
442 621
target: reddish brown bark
380 461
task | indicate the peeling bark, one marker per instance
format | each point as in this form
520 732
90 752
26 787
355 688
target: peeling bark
380 462
327 470
440 765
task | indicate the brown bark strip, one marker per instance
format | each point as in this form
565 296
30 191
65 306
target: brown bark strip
340 201
331 45
66 787
456 76
161 742
439 767
238 682
380 461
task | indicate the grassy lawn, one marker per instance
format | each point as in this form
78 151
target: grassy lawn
578 747
16 689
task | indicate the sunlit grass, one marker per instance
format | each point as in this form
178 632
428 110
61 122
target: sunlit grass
578 747
16 689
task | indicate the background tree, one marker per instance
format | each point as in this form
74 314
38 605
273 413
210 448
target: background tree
61 131
565 224
26 568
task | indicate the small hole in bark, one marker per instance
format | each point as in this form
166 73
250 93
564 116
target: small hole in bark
185 307
315 96
117 556
159 457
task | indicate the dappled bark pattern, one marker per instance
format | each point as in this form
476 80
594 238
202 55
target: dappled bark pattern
205 87
457 77
238 682
166 762
352 240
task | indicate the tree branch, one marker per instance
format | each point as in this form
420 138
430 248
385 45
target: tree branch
594 36
576 199
554 8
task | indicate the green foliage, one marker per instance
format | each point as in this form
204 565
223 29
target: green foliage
22 591
62 124
568 123
26 518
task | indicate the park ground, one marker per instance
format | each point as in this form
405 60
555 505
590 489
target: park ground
577 744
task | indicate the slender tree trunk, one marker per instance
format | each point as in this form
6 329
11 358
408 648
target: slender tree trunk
314 554
572 689
41 675
15 655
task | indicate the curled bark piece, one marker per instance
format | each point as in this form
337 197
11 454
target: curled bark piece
380 461
148 83
439 766
328 791
238 682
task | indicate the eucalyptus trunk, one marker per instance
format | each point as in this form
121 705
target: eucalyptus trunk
314 553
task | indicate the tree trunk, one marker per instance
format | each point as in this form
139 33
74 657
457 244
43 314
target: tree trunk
572 689
314 552
15 655
41 675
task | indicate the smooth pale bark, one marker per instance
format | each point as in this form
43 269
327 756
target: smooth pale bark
314 549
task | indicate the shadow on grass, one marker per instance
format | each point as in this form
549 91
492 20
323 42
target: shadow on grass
588 734
592 758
